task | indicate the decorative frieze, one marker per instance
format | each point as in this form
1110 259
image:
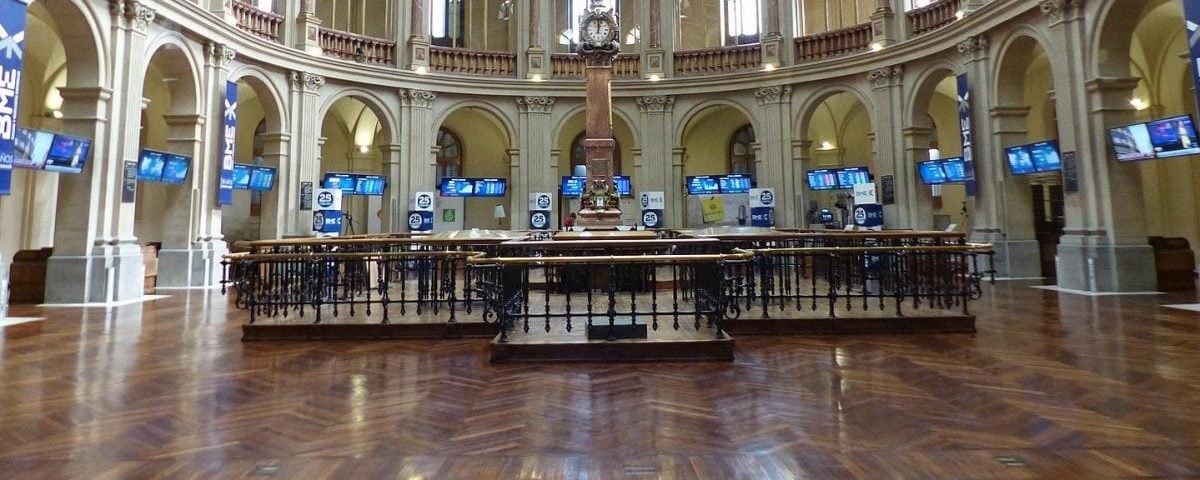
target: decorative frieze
418 98
774 94
886 76
535 104
309 82
656 103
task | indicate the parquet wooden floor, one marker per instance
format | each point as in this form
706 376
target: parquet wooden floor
1051 386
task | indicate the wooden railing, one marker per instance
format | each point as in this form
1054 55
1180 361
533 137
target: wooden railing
570 65
718 60
834 43
258 22
933 16
472 62
356 47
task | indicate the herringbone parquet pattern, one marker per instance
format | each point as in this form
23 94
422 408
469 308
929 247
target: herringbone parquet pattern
1050 387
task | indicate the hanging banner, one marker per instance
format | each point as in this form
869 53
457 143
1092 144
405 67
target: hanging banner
1191 15
423 202
868 216
228 145
540 207
864 194
12 50
964 125
653 204
327 216
762 207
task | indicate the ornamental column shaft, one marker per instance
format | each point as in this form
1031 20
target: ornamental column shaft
772 168
306 130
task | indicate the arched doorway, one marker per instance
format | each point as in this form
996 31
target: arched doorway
716 140
835 133
570 153
352 134
475 143
256 215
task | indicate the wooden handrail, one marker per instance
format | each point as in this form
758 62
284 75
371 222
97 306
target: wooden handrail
570 65
472 62
716 61
933 16
834 43
360 48
260 23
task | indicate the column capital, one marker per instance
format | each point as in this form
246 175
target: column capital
133 14
1111 84
974 48
307 82
535 104
220 54
887 76
656 103
1058 10
773 95
417 98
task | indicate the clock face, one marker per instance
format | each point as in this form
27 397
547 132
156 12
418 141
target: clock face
597 31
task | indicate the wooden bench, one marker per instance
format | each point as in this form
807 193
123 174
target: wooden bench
27 276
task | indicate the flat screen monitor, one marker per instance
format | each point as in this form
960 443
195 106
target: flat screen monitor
150 165
955 168
262 179
67 154
735 183
931 172
30 148
241 176
1131 142
370 185
175 168
346 182
457 187
822 179
1045 156
624 185
703 185
1020 162
491 187
850 176
1174 137
573 186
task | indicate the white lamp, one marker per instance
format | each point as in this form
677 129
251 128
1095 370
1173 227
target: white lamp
498 212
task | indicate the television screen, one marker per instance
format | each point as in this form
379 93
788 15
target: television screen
30 148
1019 160
573 186
955 168
457 187
370 185
490 187
735 183
262 179
1173 137
823 179
1131 142
150 165
241 176
850 176
1045 156
346 182
67 154
931 172
624 185
703 185
175 168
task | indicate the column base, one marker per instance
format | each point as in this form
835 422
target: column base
1014 258
109 274
1087 264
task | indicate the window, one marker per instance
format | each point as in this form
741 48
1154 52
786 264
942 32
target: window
446 22
579 155
915 4
740 22
741 151
449 156
265 5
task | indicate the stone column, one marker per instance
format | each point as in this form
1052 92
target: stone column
534 36
418 40
770 38
887 26
801 159
96 256
517 209
675 200
773 165
395 206
417 146
1017 250
916 148
787 32
304 103
654 170
306 34
223 9
182 261
888 101
531 171
209 241
275 220
657 58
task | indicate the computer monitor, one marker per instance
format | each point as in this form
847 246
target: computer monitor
491 187
1131 142
262 179
624 185
457 187
30 148
822 179
370 185
703 185
67 154
175 168
573 186
150 165
931 172
1020 161
241 176
346 182
1174 137
735 183
955 168
1045 156
848 177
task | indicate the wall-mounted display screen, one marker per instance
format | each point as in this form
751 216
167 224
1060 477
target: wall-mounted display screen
150 165
457 187
624 185
175 168
262 179
1173 137
573 186
931 172
490 187
735 183
241 176
703 185
823 179
30 148
1131 142
955 168
346 182
1045 156
850 176
67 154
1020 162
370 185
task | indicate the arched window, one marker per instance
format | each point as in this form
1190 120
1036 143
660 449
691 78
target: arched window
447 22
741 151
740 22
579 155
450 154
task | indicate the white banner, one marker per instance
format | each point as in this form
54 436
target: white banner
762 197
541 201
653 200
423 201
864 194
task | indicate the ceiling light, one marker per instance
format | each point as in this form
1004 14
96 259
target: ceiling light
56 113
769 67
960 14
363 148
421 70
654 77
1139 104
876 46
826 145
537 77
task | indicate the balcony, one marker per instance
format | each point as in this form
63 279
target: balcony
570 65
472 62
260 23
716 61
834 43
358 48
933 16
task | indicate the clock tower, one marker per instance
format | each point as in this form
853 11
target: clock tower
598 32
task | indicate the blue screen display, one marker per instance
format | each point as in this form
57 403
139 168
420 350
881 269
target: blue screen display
370 185
175 170
850 176
1020 162
822 179
1132 142
262 178
1045 156
490 187
150 165
1174 137
30 148
457 187
703 184
931 172
956 169
346 182
241 176
736 183
67 154
573 186
624 185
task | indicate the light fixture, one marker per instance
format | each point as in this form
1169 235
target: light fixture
769 67
654 77
421 70
537 77
1139 104
876 46
363 148
960 14
935 154
826 145
56 113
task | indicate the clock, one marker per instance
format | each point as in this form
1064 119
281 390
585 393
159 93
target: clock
598 30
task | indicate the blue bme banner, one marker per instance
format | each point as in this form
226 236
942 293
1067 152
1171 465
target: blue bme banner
228 145
964 123
1191 15
12 50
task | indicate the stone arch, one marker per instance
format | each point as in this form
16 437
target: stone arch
926 84
1111 39
498 117
387 118
178 58
692 115
83 37
809 107
268 94
560 123
1015 54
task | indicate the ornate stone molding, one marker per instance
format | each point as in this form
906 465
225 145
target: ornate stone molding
775 94
535 104
221 54
418 98
1056 10
656 103
973 45
310 82
886 76
135 14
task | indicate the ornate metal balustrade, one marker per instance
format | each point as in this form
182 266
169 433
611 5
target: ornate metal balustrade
472 62
834 43
933 16
570 65
258 22
356 47
718 60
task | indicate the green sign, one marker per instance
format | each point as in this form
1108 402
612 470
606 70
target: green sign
448 214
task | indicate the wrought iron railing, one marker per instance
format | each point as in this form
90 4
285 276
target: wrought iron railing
258 22
360 48
933 16
834 43
472 62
